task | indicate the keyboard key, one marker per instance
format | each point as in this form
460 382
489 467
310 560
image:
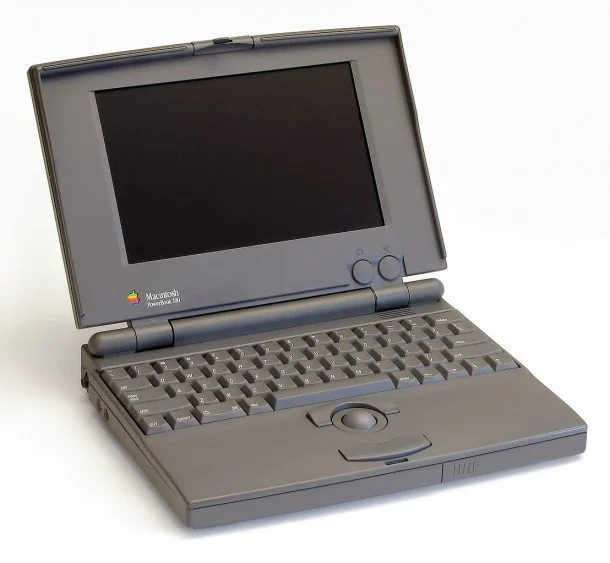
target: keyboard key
255 405
144 370
477 366
414 322
190 374
282 384
346 388
452 370
174 389
114 374
181 419
153 424
462 327
217 412
433 358
334 374
201 385
143 395
387 366
163 406
230 394
432 345
381 354
343 334
402 379
367 330
428 374
268 348
319 339
165 378
410 362
244 352
258 388
467 339
284 371
359 370
216 370
408 349
296 343
318 352
167 365
388 327
438 331
127 385
367 343
342 347
391 339
473 351
243 364
205 398
256 375
334 362
267 360
305 379
443 318
416 335
218 356
193 361
360 358
232 380
309 366
501 361
292 356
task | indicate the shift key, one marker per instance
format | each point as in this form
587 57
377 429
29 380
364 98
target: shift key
475 351
162 406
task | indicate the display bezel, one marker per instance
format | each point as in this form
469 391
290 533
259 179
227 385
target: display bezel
102 280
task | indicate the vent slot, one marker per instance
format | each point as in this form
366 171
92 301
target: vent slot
404 312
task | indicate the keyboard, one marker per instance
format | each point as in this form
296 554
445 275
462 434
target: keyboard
259 378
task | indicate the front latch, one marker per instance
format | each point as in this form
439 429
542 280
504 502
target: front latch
222 45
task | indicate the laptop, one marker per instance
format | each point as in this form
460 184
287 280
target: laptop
254 209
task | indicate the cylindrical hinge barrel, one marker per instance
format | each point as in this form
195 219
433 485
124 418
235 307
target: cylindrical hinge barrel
423 291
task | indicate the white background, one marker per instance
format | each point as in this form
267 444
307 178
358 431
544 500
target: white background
513 100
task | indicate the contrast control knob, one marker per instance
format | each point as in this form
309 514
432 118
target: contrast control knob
363 272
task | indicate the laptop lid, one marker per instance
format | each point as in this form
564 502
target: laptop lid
231 173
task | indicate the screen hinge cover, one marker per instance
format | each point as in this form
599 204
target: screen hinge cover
148 334
406 294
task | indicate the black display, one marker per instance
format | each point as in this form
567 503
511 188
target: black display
235 161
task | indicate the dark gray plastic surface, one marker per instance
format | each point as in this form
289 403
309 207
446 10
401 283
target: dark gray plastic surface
100 277
475 425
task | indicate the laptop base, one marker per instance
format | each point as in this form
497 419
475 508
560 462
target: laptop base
278 462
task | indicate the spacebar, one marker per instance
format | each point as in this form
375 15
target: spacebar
342 389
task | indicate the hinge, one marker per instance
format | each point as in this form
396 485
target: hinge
147 334
406 294
391 297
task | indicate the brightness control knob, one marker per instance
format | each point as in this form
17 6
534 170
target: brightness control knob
389 267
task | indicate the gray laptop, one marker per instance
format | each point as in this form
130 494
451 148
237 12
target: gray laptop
249 206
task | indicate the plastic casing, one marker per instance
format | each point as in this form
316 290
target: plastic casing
85 208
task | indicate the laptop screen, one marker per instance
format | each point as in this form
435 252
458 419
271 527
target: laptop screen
235 161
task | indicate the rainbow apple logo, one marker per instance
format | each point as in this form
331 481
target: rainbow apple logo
133 298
